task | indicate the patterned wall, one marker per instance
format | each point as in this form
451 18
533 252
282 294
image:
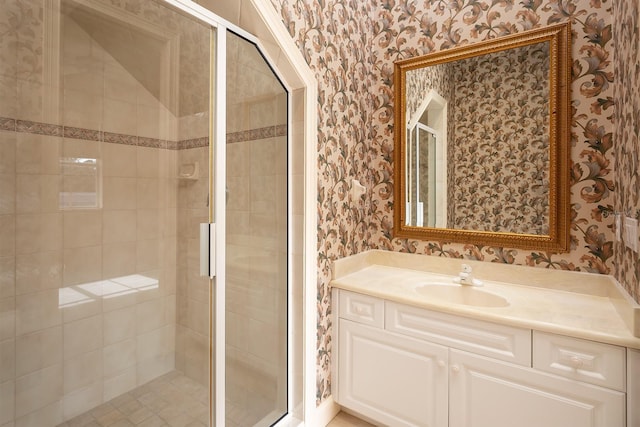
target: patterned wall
351 46
501 143
626 35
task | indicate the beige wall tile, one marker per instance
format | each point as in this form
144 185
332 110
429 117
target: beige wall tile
37 311
119 226
82 229
38 193
38 232
7 360
91 305
38 350
119 302
82 336
81 148
82 109
148 193
7 235
118 259
119 325
120 117
38 390
82 400
148 224
48 416
7 153
82 265
154 367
7 318
148 162
150 315
148 255
7 277
120 85
262 157
155 343
38 271
82 78
7 194
82 370
119 159
29 100
8 90
119 193
7 402
119 357
148 121
120 383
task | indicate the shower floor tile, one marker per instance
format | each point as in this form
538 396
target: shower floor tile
168 401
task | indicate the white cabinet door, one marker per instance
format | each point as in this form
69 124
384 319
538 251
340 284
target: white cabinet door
490 393
395 380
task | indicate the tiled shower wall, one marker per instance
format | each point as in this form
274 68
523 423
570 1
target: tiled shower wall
87 296
256 246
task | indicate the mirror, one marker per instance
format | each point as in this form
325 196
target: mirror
482 142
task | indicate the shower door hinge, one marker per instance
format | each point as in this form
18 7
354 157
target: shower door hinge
207 249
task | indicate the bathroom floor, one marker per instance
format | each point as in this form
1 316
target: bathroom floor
170 400
347 420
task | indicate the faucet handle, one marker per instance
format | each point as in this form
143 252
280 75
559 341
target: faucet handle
466 268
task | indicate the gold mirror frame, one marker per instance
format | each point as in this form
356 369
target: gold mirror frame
559 39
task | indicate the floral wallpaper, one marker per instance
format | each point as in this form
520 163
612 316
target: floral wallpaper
351 46
626 34
501 145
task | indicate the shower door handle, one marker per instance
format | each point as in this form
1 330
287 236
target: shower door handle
207 249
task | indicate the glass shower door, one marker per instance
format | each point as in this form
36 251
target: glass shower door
256 239
104 176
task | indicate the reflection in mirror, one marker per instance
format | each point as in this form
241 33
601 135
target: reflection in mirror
426 177
484 147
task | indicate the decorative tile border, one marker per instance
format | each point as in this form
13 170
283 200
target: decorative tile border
254 134
27 126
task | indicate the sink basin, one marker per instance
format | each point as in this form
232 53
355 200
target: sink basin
464 295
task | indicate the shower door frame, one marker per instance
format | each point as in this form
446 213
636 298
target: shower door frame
217 153
217 211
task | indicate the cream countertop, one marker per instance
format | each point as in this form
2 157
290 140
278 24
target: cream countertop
580 305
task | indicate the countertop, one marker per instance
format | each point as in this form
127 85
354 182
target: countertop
580 305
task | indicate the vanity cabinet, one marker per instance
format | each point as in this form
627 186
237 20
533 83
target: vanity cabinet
400 365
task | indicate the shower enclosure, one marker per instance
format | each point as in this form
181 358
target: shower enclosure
124 125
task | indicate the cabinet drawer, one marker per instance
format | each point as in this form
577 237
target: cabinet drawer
488 339
582 360
361 308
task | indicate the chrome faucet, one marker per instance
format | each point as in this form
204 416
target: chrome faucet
465 277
